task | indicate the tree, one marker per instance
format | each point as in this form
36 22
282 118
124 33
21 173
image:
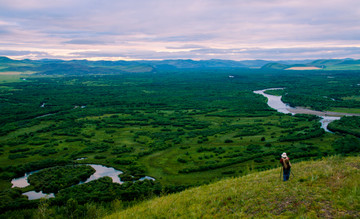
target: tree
43 211
72 210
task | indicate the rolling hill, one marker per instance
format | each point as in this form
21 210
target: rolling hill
328 188
320 64
78 67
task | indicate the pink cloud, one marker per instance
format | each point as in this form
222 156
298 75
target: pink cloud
142 27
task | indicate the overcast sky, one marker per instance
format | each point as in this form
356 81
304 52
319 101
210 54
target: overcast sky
180 29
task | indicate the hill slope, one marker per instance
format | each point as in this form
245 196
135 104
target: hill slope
323 64
326 188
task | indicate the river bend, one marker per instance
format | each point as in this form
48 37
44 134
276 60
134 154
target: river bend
276 103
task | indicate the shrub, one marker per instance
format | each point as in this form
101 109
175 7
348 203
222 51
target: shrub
348 144
228 172
259 160
181 160
124 161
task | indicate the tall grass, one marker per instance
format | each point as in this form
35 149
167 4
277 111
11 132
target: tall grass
325 188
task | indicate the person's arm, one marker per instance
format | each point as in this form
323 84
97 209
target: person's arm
289 163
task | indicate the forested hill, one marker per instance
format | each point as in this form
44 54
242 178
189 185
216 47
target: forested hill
85 67
323 64
327 189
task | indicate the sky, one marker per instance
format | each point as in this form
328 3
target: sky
180 29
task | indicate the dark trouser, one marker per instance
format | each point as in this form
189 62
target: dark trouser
286 174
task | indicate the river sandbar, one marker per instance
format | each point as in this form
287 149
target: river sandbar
302 110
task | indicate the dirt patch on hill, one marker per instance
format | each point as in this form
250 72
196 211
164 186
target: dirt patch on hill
303 68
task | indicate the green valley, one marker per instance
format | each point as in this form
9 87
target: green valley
184 127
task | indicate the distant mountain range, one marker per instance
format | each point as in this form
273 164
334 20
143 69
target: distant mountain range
77 67
326 64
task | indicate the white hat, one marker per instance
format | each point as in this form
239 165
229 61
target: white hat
284 155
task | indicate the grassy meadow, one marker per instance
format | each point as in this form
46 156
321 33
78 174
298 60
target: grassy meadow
326 188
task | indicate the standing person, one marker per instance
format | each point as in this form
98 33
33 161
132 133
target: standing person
285 162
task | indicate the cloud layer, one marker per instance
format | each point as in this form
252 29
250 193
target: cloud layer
171 29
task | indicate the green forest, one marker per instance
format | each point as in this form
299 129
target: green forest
183 127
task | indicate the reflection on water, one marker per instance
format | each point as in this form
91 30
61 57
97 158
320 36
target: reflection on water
326 120
82 158
36 195
100 171
276 103
146 177
20 182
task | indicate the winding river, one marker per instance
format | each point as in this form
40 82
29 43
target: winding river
100 171
276 103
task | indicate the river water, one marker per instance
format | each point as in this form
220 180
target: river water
100 171
21 182
36 195
276 103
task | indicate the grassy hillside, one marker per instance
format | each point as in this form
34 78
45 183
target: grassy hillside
323 64
327 188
